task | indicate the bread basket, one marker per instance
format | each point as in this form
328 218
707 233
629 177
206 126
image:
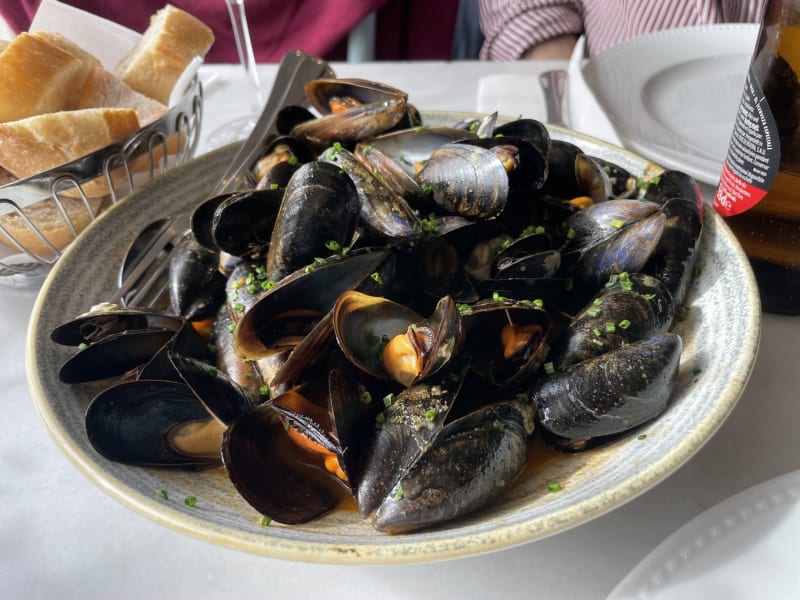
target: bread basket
75 193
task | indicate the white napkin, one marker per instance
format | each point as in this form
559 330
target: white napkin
583 112
107 40
511 95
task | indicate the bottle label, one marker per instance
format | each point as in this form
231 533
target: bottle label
754 154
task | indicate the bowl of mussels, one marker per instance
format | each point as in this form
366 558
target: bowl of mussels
436 335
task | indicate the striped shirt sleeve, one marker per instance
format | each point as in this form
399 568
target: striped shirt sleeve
512 27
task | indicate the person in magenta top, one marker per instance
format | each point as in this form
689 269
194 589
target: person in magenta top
515 29
405 29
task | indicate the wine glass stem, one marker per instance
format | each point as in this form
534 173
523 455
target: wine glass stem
244 46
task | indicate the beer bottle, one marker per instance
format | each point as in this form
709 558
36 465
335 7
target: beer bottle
759 188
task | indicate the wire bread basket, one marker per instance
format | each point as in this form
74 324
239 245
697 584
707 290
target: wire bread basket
75 193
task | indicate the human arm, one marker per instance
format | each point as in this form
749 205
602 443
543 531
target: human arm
516 29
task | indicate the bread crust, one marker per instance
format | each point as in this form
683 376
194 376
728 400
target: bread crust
41 75
171 41
30 146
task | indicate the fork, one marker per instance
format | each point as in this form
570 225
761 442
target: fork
143 273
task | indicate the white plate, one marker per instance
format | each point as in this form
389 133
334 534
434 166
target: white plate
720 340
743 547
672 95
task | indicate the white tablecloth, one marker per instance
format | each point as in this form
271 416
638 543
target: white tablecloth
62 537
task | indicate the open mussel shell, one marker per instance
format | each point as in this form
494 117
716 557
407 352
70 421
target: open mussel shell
531 256
609 394
156 423
114 355
388 340
320 206
328 417
271 473
364 324
108 319
507 341
470 462
573 174
339 94
280 159
629 309
352 125
312 290
243 222
533 131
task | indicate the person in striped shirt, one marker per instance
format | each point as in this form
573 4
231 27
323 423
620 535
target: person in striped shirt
548 29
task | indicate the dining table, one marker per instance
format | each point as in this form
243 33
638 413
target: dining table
62 536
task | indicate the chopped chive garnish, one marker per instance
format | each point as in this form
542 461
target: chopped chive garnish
264 520
549 368
553 487
365 397
190 501
162 493
624 324
430 414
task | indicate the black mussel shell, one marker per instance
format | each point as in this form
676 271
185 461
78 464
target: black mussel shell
408 427
385 216
467 180
139 423
630 308
114 355
243 222
107 319
196 287
320 207
609 394
471 462
313 289
270 473
674 258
